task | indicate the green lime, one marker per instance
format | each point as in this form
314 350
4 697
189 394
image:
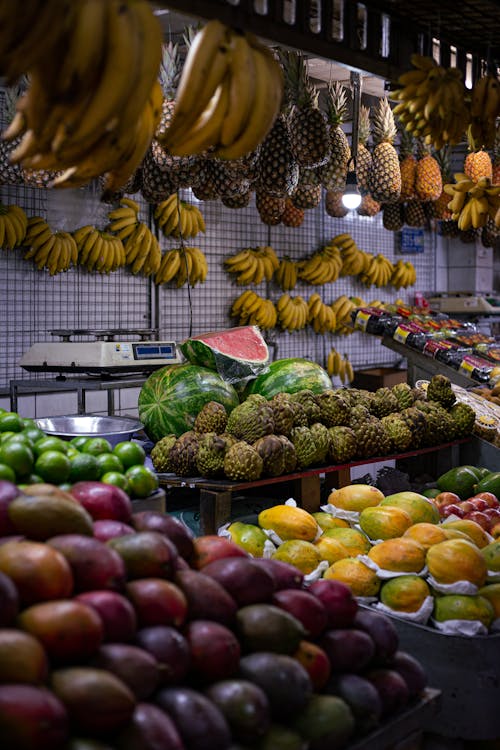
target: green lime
33 433
72 452
142 481
109 462
130 453
84 467
11 421
7 473
116 478
20 437
33 479
79 442
28 422
96 446
53 466
7 435
18 456
50 443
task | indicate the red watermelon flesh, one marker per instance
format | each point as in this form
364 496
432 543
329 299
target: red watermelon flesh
235 353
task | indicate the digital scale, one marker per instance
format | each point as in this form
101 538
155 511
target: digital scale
465 303
105 355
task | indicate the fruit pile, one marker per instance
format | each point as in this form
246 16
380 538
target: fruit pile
470 492
120 630
390 551
288 418
29 456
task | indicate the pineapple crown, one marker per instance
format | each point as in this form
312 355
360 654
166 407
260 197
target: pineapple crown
337 102
12 94
443 158
364 125
384 126
299 90
170 69
406 143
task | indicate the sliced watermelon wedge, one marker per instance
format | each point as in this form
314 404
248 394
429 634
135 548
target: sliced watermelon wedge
237 354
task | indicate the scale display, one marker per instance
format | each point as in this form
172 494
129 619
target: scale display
154 351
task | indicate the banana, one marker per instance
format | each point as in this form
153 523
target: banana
169 267
465 218
40 258
86 44
266 105
349 371
80 234
205 67
205 132
238 262
10 238
54 256
241 89
247 276
18 226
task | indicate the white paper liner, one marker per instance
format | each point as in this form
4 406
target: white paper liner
382 573
458 587
493 576
420 616
317 573
268 548
351 516
460 627
367 600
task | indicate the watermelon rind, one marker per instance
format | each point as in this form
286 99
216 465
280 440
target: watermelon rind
172 396
289 376
236 354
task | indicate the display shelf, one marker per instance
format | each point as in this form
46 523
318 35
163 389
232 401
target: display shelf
37 387
403 725
467 671
422 367
216 494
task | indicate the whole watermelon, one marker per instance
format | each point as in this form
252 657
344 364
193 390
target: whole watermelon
172 396
289 376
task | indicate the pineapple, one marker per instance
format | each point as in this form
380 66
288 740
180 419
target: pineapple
440 207
307 194
363 157
449 228
333 174
162 172
292 216
205 188
333 204
228 182
385 175
429 182
270 207
278 172
477 162
407 166
307 125
490 234
10 174
393 216
468 236
414 213
368 206
237 201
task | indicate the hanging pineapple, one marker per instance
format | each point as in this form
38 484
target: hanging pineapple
440 206
277 170
407 166
307 124
292 216
429 182
368 206
307 194
333 174
477 162
333 204
269 207
393 216
237 201
385 175
10 174
414 214
363 157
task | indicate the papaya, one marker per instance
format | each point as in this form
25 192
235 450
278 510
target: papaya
403 555
331 549
361 579
289 522
456 560
355 497
461 480
304 555
426 534
461 607
404 593
491 592
473 530
418 507
489 483
327 521
248 536
384 522
356 542
491 554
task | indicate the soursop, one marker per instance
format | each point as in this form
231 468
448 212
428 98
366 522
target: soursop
464 417
384 403
440 390
404 394
321 439
305 447
309 401
211 418
371 439
251 420
398 431
289 454
272 452
415 419
242 462
210 457
283 413
335 410
183 454
160 454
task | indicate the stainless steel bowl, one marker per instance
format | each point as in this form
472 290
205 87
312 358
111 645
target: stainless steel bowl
114 429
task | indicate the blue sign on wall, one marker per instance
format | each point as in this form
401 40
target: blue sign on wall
411 240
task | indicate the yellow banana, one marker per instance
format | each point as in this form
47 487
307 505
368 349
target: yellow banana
205 132
241 89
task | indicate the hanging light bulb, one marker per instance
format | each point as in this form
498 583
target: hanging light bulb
351 197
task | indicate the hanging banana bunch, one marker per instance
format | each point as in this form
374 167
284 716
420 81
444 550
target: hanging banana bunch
252 265
286 274
251 309
183 265
177 218
320 316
